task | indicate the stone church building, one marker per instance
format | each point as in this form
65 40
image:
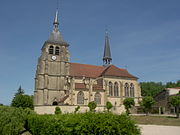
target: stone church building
59 82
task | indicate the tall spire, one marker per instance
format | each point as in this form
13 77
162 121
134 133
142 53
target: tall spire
107 53
56 36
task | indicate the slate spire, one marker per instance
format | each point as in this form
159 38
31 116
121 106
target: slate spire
56 36
107 53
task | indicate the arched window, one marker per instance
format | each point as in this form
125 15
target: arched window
97 98
80 98
57 51
116 89
110 89
132 90
51 50
126 89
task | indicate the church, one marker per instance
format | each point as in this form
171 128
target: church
59 82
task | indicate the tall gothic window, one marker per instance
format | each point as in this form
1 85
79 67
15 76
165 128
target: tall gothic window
97 98
126 89
132 90
51 50
110 89
80 98
116 89
57 51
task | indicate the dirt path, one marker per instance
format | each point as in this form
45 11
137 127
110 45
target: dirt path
159 130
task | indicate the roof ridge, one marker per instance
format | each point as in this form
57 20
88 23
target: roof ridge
85 64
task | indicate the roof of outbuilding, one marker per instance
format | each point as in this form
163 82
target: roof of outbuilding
92 71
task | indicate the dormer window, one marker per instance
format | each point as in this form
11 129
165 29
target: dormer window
57 51
51 50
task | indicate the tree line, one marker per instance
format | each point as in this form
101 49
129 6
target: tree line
153 88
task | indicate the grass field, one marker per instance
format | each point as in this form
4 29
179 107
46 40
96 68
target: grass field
157 120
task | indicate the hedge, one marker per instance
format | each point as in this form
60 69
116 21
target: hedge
12 120
82 123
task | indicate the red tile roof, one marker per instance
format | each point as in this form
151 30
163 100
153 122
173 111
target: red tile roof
83 86
92 71
80 86
97 87
115 71
80 70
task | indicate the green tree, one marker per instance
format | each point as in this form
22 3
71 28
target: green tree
128 103
24 101
151 88
77 109
108 105
58 110
20 91
147 103
175 101
92 106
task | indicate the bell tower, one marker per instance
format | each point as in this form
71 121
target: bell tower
52 74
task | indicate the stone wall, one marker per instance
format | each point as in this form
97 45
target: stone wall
71 108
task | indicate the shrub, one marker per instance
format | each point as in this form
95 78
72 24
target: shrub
82 123
13 120
108 105
92 106
128 103
58 110
77 109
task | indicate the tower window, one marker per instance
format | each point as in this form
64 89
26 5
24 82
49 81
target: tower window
57 51
51 50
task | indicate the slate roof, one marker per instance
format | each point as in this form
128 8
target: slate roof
92 71
56 37
107 52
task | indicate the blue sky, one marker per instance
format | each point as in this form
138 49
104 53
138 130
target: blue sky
144 36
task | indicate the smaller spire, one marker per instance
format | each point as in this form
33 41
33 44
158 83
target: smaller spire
107 53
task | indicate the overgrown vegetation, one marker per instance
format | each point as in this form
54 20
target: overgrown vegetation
152 88
82 123
128 103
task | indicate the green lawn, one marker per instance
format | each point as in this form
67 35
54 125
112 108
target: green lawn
157 120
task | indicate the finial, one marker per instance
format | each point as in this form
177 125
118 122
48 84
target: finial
106 32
